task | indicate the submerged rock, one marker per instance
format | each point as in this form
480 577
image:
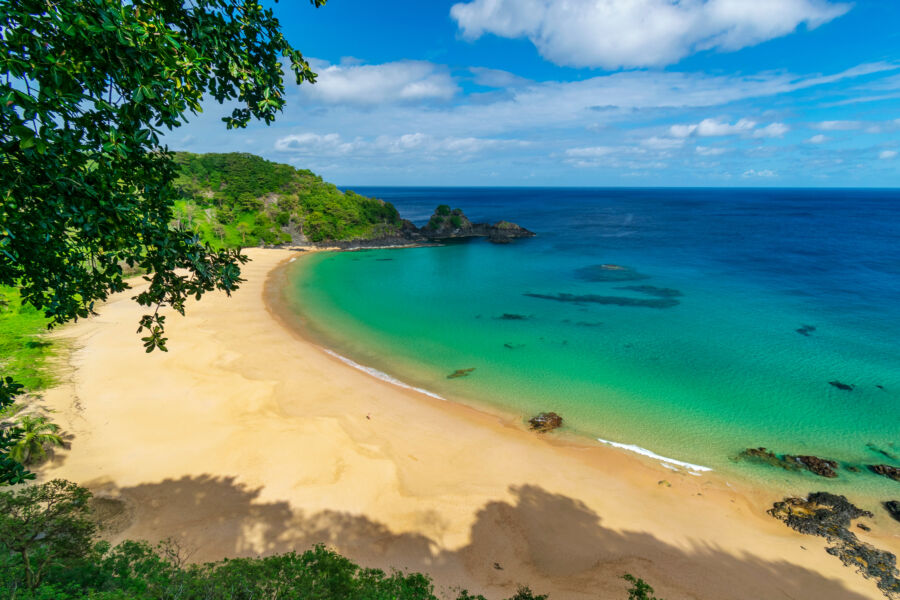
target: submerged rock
765 456
820 466
460 373
652 290
841 386
893 508
512 317
881 451
613 300
609 272
829 516
806 330
511 346
545 421
886 471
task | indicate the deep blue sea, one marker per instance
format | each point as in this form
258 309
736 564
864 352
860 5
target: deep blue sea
692 323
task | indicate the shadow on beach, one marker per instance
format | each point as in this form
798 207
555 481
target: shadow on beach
550 542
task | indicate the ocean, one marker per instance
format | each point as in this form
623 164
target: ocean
689 324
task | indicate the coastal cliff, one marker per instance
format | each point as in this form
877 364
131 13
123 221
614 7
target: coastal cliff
243 200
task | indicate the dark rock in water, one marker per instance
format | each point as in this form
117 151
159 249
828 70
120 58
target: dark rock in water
841 386
820 466
504 232
589 323
513 346
881 451
829 516
447 224
460 373
613 300
765 456
383 259
512 317
652 290
545 421
893 508
886 470
609 272
852 468
880 387
805 330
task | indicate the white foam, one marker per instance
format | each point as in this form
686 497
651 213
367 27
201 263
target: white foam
293 259
379 374
666 462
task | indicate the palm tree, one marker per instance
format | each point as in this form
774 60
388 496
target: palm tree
37 433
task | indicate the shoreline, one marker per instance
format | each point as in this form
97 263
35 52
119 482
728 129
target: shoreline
246 438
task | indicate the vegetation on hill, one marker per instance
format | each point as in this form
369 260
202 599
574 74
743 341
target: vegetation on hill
239 199
49 550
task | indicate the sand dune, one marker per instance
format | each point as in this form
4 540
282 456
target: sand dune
247 439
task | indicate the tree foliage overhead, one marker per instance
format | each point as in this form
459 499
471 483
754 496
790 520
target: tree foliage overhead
272 201
86 89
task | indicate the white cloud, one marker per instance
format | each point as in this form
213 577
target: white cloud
818 139
765 173
497 78
638 33
773 130
710 151
712 128
331 144
838 125
658 143
402 81
887 154
591 152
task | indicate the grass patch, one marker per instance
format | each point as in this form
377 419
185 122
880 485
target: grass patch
23 348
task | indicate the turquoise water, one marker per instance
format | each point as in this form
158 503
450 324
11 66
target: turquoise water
715 367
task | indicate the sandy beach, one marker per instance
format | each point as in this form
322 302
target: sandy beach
246 439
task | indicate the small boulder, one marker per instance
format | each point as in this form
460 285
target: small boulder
893 508
886 471
460 373
545 421
820 466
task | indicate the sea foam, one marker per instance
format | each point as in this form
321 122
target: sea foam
379 374
666 462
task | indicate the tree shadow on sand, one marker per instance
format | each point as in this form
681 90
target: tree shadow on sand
553 543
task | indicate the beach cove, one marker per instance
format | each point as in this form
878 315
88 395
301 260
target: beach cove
246 439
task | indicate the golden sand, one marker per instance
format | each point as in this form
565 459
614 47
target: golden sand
246 439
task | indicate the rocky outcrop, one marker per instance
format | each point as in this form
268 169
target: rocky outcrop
545 421
504 232
448 224
886 471
820 466
444 224
829 516
893 508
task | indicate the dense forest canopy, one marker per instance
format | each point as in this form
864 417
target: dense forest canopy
240 199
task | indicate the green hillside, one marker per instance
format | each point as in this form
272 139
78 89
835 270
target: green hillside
240 199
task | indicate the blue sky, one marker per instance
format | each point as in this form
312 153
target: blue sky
586 93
